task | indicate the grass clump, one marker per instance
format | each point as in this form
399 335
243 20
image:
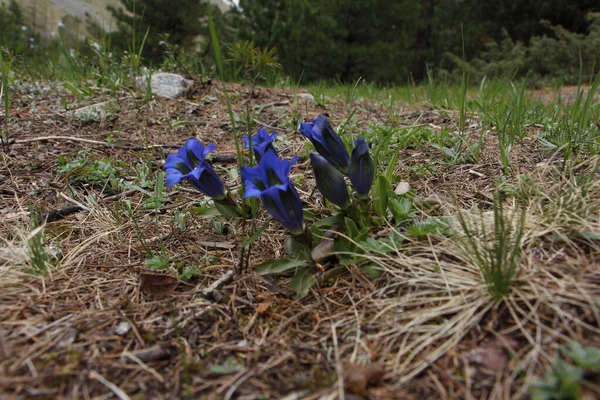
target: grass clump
496 254
37 250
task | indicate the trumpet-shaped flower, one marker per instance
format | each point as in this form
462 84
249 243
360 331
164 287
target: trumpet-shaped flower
261 143
189 163
361 169
270 181
327 143
330 181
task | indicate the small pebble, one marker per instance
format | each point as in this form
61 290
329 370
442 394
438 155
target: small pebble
123 328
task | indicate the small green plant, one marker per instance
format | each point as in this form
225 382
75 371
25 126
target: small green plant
497 254
87 169
230 366
5 66
506 116
158 263
181 220
159 198
564 382
574 129
462 151
37 250
253 61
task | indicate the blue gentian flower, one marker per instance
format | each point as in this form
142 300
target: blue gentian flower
261 143
330 181
327 143
270 181
361 169
189 163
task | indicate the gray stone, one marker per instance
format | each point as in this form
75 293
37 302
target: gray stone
306 96
165 84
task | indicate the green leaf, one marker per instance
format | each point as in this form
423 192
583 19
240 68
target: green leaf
278 267
205 212
189 272
255 235
380 196
329 221
332 273
401 208
373 271
158 262
351 228
585 357
227 368
302 281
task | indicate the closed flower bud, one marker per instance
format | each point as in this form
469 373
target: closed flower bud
361 169
330 181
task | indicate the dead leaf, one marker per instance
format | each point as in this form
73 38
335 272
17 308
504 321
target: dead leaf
492 354
158 284
358 377
263 307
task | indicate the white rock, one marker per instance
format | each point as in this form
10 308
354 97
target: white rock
402 188
122 328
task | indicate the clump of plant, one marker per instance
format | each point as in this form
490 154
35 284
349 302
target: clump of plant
87 169
567 381
496 253
252 61
37 249
361 199
5 65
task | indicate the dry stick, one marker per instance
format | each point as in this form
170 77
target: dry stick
273 104
217 284
145 367
218 157
77 203
113 388
60 213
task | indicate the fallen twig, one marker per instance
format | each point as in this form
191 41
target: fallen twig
113 388
223 158
154 353
77 203
273 104
58 214
217 284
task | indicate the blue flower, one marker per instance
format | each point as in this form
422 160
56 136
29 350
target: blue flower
327 143
270 181
330 181
189 163
361 169
261 143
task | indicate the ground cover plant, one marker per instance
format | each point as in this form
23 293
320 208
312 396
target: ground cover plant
331 241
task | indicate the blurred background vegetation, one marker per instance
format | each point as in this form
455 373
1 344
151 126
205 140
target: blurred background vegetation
384 42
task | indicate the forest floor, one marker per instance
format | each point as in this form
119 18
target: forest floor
102 325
